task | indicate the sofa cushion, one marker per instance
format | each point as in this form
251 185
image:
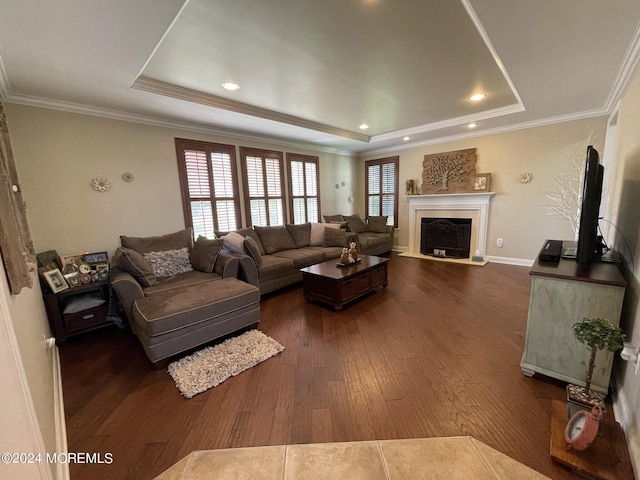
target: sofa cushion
181 280
245 232
328 252
369 239
300 233
302 257
377 224
134 263
272 264
253 250
180 308
170 241
356 224
316 236
333 218
275 239
334 237
205 253
233 242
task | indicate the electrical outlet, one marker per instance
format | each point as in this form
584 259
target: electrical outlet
499 242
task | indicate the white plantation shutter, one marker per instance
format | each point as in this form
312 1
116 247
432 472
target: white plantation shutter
208 186
303 188
381 179
263 178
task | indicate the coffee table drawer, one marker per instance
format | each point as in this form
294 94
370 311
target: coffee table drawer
378 276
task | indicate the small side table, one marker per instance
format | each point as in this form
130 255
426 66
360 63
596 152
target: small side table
64 325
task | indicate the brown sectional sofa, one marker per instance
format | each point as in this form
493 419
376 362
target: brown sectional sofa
278 253
177 294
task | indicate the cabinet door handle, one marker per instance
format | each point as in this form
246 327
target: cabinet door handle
88 316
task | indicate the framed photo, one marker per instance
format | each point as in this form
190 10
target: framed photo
99 257
481 182
73 279
56 281
72 257
49 258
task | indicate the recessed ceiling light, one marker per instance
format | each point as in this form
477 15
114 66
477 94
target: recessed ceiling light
472 125
364 126
476 97
406 138
230 86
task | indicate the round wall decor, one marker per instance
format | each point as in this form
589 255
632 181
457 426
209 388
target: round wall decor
101 184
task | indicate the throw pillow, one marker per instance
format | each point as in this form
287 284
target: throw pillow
316 236
167 263
300 234
253 250
134 263
334 237
356 224
377 224
275 239
234 242
205 253
170 241
333 218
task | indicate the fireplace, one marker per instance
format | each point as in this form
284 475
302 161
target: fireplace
445 237
472 205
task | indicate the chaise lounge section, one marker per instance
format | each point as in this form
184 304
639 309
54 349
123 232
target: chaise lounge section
177 294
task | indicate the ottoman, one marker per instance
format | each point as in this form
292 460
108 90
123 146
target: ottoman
185 317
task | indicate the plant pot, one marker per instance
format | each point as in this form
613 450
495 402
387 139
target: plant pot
577 399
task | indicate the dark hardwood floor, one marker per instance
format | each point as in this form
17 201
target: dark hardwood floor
436 353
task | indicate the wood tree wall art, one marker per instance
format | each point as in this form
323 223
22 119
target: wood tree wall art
449 172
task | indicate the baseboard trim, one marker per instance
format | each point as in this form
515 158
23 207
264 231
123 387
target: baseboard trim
522 262
62 468
621 412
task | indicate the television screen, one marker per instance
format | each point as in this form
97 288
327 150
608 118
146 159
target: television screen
588 248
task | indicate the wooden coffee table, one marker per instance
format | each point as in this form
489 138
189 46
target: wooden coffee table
336 285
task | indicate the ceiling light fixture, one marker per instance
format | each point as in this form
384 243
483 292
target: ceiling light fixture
230 86
476 97
407 138
364 126
472 125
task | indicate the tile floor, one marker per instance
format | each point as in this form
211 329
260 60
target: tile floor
448 458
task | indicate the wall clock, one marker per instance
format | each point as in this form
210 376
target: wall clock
582 428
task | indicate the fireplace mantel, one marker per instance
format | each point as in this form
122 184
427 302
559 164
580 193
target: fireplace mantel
476 202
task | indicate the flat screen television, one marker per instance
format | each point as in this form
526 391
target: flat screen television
589 248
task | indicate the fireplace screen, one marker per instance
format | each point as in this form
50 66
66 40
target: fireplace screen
445 237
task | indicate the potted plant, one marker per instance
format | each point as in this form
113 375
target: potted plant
597 334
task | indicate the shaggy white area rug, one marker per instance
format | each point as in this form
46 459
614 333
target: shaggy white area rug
213 365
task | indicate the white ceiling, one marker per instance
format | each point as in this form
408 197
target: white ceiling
312 72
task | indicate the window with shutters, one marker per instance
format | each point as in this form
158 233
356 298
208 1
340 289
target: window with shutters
381 185
263 186
304 188
208 181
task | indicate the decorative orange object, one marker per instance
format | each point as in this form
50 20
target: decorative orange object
353 252
582 428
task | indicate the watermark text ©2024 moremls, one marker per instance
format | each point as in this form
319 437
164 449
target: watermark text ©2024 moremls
60 457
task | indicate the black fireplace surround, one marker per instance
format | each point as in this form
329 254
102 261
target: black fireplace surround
445 237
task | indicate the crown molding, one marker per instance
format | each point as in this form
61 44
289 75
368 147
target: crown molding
487 132
159 122
496 112
627 67
194 96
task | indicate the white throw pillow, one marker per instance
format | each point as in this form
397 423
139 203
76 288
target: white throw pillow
169 262
234 242
317 233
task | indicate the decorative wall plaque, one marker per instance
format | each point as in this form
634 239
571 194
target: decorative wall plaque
449 172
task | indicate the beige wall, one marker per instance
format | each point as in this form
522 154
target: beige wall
58 153
517 212
627 156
